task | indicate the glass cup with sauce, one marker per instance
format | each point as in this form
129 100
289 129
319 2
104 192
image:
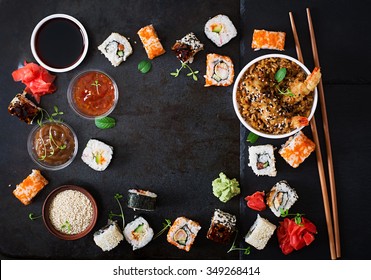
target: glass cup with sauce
92 94
53 145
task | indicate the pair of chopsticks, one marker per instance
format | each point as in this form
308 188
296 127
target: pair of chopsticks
331 220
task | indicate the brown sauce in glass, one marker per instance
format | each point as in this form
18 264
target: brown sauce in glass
54 143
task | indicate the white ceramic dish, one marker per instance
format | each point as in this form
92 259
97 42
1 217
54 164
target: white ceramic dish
236 105
79 58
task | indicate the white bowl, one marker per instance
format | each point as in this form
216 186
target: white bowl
236 105
79 58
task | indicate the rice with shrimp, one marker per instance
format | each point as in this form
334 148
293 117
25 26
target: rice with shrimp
270 106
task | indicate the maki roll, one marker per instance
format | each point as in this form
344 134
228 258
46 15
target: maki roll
30 187
281 196
109 236
187 47
222 227
97 155
263 39
183 233
262 160
260 233
220 30
116 48
138 233
23 108
150 41
141 200
219 70
296 149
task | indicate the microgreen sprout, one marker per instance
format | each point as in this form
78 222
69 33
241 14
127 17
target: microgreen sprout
111 214
191 73
49 117
165 225
287 92
67 227
297 218
246 251
96 84
32 216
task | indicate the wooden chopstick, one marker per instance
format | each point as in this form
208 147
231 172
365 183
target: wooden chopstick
327 139
321 169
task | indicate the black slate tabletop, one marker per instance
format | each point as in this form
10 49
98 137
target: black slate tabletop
174 136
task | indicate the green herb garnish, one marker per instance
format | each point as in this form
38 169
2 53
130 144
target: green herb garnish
252 138
280 75
287 92
297 218
96 84
234 248
105 122
49 117
191 73
32 216
67 227
165 225
144 66
111 214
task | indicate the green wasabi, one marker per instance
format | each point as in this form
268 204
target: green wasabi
224 188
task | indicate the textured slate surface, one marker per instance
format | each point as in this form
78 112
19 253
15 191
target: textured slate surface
173 136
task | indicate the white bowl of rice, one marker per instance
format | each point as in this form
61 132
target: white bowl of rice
266 105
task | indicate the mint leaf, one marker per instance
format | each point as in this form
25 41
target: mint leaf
144 66
252 138
105 122
280 75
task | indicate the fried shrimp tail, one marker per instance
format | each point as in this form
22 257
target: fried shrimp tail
299 121
310 83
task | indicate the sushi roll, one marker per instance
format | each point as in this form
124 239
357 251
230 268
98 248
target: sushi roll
219 70
109 236
263 39
150 41
97 155
138 233
23 108
30 187
281 196
183 233
260 233
116 48
222 227
262 160
296 149
187 47
141 200
220 30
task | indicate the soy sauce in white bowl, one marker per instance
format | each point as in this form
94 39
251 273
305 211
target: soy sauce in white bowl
59 43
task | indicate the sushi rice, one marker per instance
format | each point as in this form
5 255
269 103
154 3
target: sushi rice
109 236
281 197
220 30
116 48
138 233
260 233
97 155
262 160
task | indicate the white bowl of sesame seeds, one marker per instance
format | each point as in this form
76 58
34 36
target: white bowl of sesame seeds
271 96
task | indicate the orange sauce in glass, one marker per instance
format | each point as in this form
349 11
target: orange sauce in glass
93 93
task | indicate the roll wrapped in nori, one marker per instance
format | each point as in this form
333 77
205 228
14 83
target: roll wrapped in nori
141 200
